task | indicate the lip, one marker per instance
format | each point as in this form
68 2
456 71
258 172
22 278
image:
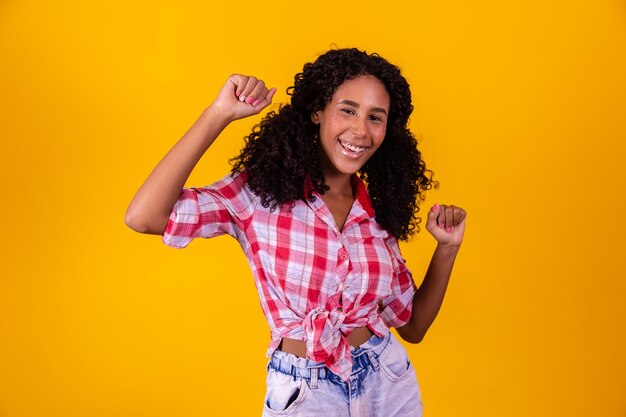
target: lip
353 154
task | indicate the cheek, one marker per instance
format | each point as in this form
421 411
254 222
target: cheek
332 131
379 134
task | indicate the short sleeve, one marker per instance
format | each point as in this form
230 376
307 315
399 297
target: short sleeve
397 307
208 212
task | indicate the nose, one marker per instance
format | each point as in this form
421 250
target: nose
358 127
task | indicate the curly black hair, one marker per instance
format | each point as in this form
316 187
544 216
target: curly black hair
280 156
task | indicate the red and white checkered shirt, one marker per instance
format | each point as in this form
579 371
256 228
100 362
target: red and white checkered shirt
315 282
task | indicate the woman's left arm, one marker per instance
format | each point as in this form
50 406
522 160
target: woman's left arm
447 225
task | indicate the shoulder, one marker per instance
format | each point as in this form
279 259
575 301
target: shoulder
233 191
231 185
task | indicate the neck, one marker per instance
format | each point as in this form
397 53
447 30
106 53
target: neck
338 183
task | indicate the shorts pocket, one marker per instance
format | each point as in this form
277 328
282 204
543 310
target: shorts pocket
283 393
394 361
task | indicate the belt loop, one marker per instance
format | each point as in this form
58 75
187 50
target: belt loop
373 359
314 376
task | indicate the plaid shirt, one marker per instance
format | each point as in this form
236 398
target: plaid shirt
315 282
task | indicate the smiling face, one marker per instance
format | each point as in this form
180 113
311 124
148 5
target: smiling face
352 125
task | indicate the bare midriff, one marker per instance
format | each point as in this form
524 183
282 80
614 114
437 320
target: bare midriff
356 338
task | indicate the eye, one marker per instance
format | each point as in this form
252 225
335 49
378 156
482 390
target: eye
376 118
347 110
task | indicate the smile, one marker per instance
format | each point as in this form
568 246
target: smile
354 149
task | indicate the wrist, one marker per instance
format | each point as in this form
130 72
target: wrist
448 249
218 115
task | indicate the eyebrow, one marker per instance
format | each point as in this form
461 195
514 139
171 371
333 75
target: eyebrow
354 104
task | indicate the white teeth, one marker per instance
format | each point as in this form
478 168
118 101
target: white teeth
352 147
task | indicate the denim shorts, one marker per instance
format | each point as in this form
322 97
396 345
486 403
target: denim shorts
383 384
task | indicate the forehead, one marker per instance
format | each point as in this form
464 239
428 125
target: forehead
365 90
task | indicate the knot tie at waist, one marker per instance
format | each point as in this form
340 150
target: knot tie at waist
326 333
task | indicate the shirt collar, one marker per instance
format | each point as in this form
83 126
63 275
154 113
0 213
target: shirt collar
360 193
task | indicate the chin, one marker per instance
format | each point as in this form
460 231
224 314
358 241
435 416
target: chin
348 168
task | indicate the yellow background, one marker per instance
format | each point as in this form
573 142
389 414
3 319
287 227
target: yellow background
519 107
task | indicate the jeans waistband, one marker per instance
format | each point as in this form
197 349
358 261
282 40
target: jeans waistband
365 355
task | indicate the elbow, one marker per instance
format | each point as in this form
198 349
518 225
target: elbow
140 224
132 221
411 334
415 338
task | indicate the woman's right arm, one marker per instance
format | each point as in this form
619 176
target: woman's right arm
151 206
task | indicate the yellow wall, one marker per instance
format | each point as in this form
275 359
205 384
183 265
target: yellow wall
520 108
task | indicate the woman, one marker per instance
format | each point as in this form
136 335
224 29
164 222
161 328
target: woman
318 198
